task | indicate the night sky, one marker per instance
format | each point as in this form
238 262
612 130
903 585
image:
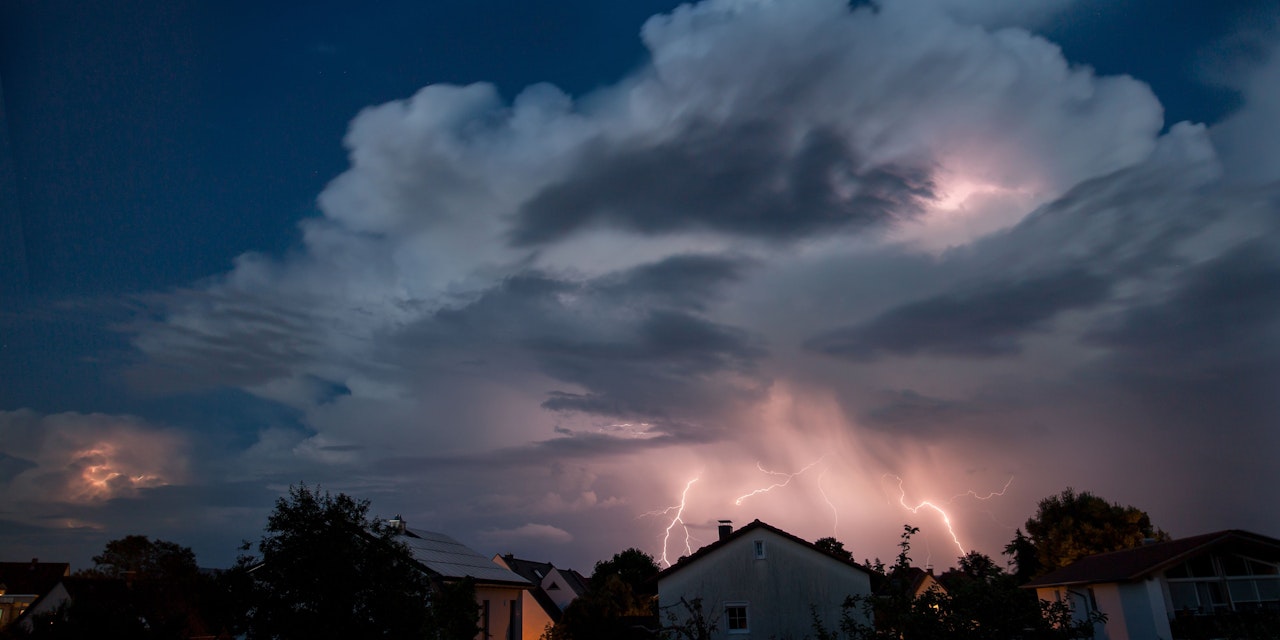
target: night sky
528 273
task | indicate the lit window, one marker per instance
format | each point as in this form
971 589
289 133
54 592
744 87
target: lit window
759 544
735 617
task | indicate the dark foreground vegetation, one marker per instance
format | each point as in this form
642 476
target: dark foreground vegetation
325 569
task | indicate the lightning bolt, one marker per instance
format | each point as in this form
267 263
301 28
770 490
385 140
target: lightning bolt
775 485
946 518
835 515
974 494
678 519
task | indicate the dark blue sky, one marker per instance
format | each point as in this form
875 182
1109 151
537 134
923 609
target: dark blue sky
153 142
144 146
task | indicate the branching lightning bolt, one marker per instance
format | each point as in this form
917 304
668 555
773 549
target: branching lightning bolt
989 496
775 485
946 518
835 515
678 519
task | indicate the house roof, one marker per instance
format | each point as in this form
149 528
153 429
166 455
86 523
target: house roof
754 525
577 582
1136 563
534 572
530 570
32 578
914 579
446 558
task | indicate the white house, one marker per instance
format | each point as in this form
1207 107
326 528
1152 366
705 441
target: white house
762 582
1165 590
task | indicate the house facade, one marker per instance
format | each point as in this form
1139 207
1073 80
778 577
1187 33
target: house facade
553 589
499 591
762 582
23 583
1170 589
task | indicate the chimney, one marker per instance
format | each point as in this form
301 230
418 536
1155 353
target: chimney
726 528
396 524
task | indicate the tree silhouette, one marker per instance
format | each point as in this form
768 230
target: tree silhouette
1070 526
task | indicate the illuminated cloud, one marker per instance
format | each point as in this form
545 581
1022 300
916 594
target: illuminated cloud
906 239
531 531
86 459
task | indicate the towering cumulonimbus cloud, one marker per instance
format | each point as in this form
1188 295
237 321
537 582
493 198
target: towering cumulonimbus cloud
904 237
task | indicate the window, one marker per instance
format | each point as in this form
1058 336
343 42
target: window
735 617
759 546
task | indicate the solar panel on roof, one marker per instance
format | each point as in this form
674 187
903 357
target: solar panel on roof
452 559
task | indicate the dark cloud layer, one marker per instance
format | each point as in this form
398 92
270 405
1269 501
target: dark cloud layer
737 178
635 341
1223 313
983 322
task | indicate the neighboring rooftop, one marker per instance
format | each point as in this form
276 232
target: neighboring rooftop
530 570
753 526
32 578
447 558
1133 564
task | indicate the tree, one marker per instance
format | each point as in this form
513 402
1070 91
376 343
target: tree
1022 556
326 570
634 567
619 596
833 547
980 602
140 557
1070 526
690 622
137 588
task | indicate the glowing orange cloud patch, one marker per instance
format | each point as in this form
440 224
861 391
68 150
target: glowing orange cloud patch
105 473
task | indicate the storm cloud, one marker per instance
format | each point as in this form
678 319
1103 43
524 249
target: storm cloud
899 239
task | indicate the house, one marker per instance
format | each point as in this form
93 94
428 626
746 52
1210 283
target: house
22 583
553 590
1164 589
913 580
102 594
499 591
762 582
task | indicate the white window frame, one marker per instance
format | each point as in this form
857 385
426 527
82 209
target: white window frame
746 617
760 549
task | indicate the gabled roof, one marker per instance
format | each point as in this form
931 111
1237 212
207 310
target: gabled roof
530 570
447 559
755 525
32 578
913 578
576 581
1136 563
534 572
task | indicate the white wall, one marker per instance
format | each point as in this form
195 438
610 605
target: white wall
1135 610
779 589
